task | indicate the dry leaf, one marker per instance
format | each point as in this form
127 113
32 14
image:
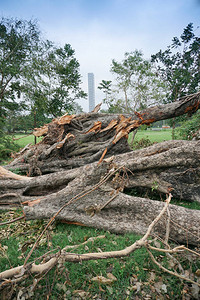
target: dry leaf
102 280
195 291
164 288
157 244
111 276
81 293
110 289
152 277
158 286
197 273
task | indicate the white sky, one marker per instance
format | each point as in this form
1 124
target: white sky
102 30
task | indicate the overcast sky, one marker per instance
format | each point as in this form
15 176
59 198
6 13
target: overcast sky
102 30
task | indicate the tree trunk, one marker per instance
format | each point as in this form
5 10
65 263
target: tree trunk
74 174
74 141
168 166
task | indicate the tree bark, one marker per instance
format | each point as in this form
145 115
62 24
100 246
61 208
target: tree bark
168 166
74 141
78 151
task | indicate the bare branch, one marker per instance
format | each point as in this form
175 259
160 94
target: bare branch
171 272
39 269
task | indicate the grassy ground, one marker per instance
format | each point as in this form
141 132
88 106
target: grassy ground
154 136
22 140
145 138
137 277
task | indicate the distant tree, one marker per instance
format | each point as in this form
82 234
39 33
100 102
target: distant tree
18 41
105 86
35 75
189 128
179 65
56 82
64 83
137 81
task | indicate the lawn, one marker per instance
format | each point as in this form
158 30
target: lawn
136 276
145 138
154 136
22 139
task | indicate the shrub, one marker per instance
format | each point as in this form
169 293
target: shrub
188 128
143 143
7 146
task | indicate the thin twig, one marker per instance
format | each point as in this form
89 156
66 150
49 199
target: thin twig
170 272
174 250
38 269
21 137
91 239
12 221
110 200
192 251
167 227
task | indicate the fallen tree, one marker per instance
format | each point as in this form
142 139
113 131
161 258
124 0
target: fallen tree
81 173
77 151
72 141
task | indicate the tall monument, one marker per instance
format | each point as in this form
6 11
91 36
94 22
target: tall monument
91 93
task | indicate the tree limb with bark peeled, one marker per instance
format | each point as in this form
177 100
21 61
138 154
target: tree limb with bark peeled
85 164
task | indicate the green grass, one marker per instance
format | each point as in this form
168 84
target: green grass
136 269
22 140
154 136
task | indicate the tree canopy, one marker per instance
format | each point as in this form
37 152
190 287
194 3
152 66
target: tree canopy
179 64
137 85
36 76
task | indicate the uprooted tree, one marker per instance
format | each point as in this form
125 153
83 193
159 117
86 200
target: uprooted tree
78 151
83 165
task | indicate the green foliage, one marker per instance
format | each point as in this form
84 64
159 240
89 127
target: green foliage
36 77
137 82
105 86
179 64
188 127
18 41
149 137
56 81
142 143
7 146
